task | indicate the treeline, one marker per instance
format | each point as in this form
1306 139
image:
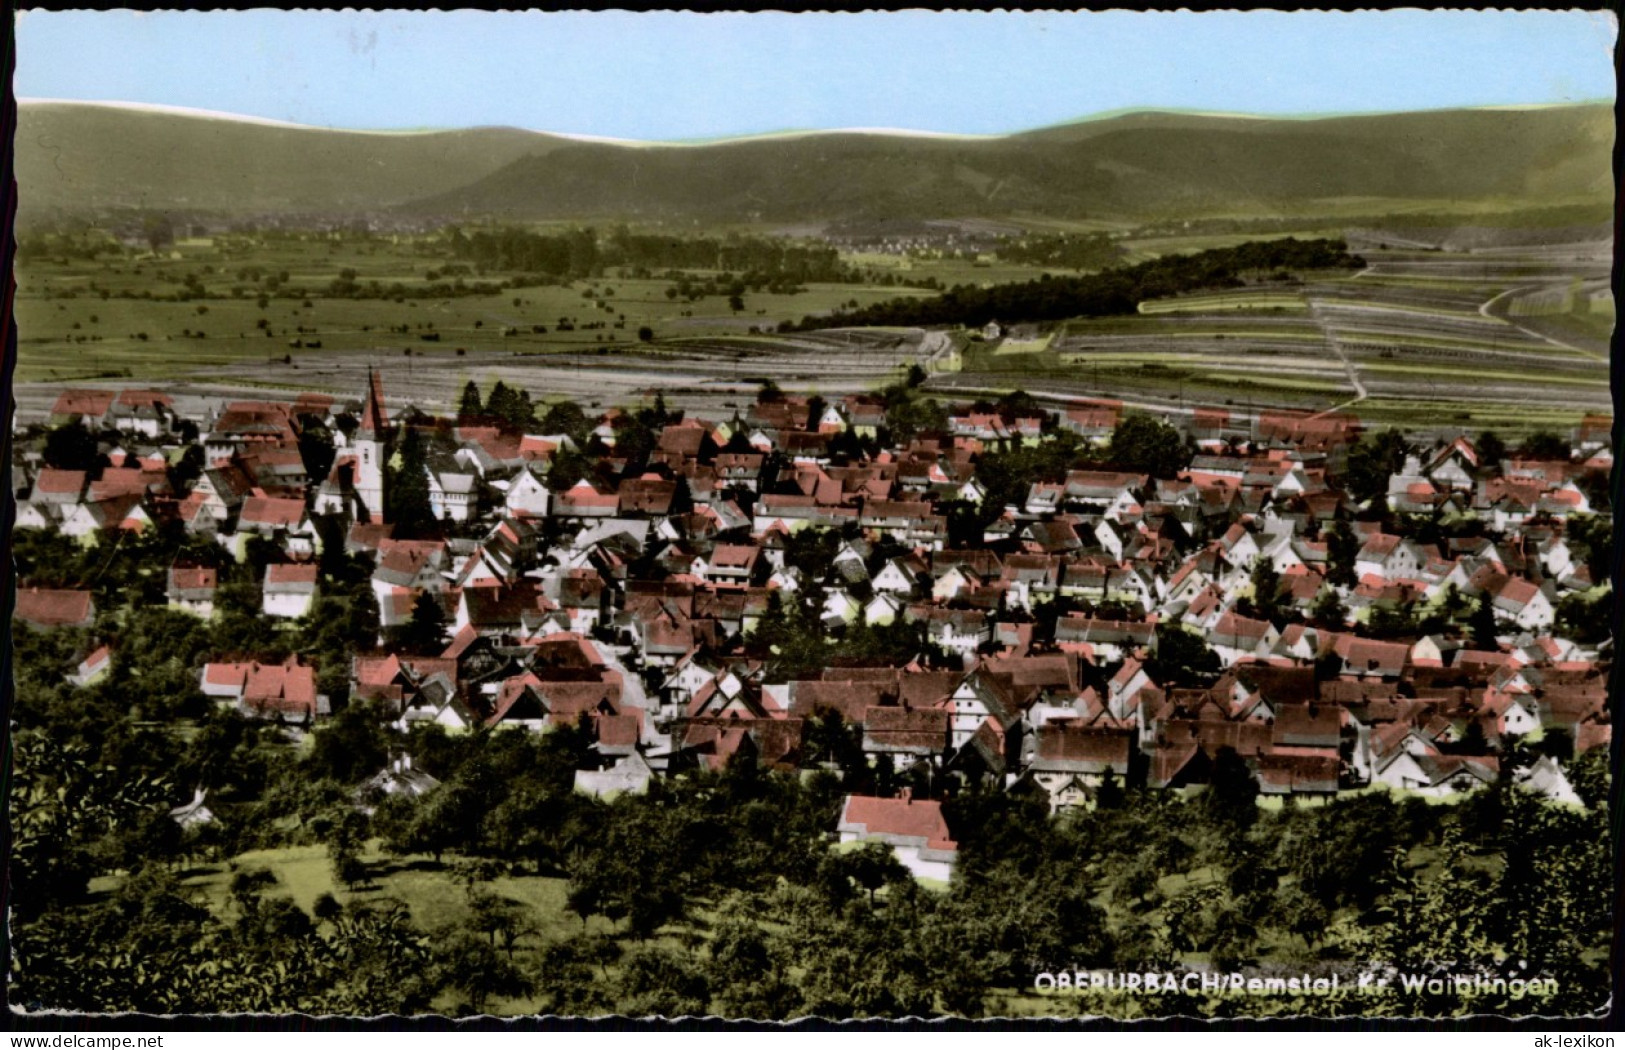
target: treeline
581 252
1072 251
1114 292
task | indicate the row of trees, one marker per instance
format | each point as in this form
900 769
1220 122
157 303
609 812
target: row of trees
1112 292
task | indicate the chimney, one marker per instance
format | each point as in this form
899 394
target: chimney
907 795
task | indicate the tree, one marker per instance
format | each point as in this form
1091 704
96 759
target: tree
1342 550
1544 445
1232 793
71 447
1491 449
1181 658
471 965
1482 625
425 633
1328 610
158 231
1370 463
873 865
657 981
1266 589
470 408
566 417
1148 446
645 334
408 493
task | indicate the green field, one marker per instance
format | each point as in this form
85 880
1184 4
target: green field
68 330
1270 300
1023 346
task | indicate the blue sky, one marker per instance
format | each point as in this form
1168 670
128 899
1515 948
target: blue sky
687 76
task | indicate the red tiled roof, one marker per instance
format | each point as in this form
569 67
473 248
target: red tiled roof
182 578
902 817
62 482
83 403
54 608
267 510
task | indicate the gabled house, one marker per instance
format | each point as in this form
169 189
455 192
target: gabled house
43 609
915 830
192 589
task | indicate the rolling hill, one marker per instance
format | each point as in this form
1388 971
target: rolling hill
1139 165
78 157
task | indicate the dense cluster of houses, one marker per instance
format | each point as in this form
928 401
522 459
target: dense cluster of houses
624 605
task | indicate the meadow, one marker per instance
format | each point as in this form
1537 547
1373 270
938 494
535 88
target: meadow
1513 337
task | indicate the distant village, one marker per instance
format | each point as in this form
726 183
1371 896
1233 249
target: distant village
1063 648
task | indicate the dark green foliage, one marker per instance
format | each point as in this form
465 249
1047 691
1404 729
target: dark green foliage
1544 445
1182 658
315 448
1342 550
657 981
71 447
406 492
1008 474
1146 445
1113 292
470 964
1372 459
426 632
1328 610
350 747
1491 449
910 414
1591 542
1587 620
1265 603
1482 626
566 417
470 408
1232 793
509 407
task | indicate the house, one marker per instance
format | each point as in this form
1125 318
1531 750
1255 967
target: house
1072 760
88 408
906 734
915 830
59 487
192 589
284 692
628 775
960 631
44 609
92 667
283 521
289 590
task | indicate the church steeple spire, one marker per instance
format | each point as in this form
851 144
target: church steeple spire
372 446
373 416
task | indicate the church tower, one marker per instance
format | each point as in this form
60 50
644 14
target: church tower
372 449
